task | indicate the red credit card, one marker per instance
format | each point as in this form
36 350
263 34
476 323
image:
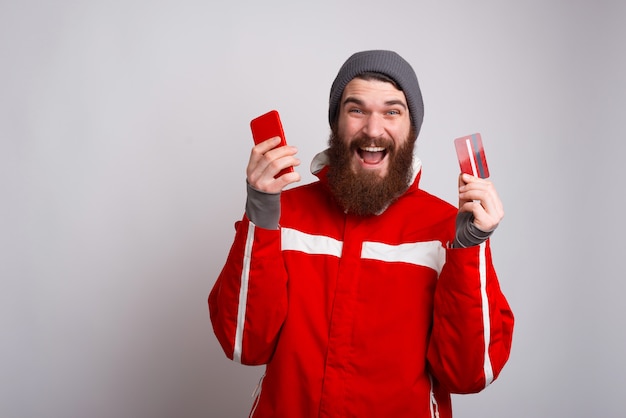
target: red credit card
471 155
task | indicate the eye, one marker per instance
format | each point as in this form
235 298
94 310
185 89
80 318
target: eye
355 110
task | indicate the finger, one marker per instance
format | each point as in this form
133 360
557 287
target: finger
276 165
287 178
264 153
258 150
268 144
488 199
466 182
461 180
465 178
269 184
480 197
261 175
482 219
476 188
280 152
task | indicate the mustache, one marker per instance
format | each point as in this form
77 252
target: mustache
365 141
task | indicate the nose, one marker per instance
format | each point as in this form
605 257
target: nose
374 125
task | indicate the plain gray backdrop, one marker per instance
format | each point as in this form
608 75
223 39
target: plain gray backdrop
124 140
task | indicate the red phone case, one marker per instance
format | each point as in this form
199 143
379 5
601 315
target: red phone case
471 154
268 126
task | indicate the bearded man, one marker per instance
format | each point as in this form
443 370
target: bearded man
364 295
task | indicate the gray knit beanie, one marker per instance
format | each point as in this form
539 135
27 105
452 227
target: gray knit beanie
388 63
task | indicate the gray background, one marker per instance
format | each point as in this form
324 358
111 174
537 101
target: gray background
124 139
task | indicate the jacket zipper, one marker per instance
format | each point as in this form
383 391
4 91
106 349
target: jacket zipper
434 406
256 394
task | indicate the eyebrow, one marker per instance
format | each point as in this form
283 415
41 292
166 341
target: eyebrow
359 102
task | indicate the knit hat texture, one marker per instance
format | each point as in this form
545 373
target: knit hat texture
384 62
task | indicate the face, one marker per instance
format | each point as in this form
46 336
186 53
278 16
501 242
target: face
374 121
371 147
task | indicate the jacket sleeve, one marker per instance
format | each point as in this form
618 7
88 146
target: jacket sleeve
248 302
472 322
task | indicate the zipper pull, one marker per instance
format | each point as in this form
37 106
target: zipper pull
257 389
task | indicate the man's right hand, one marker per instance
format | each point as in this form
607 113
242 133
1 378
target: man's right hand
266 160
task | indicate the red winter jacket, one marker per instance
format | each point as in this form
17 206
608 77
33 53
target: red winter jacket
361 316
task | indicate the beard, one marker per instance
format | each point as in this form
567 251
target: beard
363 192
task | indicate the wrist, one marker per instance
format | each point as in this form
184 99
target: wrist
262 208
468 234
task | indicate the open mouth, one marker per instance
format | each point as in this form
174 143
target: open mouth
372 155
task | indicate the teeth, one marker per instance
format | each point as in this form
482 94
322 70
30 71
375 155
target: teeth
373 149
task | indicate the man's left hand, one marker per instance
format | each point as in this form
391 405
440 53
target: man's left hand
479 197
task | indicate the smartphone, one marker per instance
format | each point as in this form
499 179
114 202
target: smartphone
268 126
471 154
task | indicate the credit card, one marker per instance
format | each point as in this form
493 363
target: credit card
471 154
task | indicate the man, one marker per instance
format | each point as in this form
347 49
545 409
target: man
364 295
